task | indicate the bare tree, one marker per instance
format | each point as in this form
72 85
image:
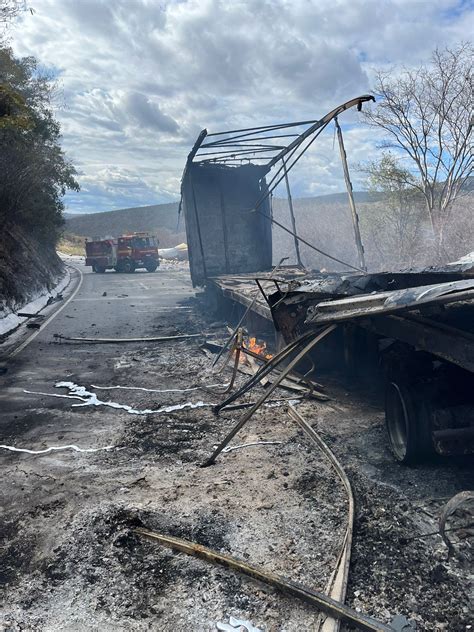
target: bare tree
427 114
394 219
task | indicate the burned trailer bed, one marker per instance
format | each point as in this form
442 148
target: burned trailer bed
418 328
227 291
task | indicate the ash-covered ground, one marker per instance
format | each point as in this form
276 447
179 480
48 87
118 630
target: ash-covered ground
69 557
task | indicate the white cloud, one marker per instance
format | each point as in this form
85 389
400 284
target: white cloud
141 78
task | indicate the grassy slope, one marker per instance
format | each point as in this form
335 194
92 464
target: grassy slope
71 244
26 267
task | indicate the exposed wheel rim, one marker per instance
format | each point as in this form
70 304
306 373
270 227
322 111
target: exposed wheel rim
397 420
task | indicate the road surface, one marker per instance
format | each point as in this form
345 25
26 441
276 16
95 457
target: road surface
68 557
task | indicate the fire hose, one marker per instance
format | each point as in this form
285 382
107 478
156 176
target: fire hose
119 340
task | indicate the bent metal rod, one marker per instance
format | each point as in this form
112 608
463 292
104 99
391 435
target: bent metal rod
322 602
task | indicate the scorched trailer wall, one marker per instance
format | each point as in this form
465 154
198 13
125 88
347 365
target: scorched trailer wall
225 235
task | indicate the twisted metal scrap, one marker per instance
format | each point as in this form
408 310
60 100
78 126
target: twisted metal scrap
321 601
449 508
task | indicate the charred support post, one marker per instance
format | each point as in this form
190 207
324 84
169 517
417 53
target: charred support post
355 217
240 424
292 214
198 227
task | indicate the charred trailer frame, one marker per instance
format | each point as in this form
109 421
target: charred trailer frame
226 199
414 329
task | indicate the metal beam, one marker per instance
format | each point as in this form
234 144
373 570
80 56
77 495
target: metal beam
292 215
326 119
355 217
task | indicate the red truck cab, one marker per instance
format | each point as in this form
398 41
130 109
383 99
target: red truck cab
139 250
125 254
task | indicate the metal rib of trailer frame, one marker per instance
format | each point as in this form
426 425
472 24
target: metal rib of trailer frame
236 160
249 150
233 154
243 137
229 141
263 127
243 145
329 117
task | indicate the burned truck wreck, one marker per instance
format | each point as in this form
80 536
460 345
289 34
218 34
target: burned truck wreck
412 330
415 327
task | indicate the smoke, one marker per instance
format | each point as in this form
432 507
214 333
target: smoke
392 240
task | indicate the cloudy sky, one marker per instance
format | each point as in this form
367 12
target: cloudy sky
141 78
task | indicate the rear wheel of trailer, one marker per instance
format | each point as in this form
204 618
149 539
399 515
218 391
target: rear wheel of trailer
408 415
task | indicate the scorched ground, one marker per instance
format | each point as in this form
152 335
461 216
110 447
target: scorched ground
69 559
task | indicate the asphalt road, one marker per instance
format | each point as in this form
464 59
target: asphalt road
67 558
94 305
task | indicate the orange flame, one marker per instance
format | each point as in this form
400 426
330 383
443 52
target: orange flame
259 348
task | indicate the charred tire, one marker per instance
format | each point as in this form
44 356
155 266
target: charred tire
151 266
408 415
100 269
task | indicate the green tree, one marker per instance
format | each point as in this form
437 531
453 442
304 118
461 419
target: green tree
426 114
35 173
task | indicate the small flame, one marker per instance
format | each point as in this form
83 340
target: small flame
259 348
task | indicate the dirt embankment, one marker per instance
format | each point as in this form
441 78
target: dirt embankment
27 268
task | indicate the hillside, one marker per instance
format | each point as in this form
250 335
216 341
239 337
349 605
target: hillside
391 240
158 216
160 219
27 268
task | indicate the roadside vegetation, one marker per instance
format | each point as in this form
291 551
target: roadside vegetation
71 244
35 171
425 118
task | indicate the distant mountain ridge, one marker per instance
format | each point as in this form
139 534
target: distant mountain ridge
157 217
153 218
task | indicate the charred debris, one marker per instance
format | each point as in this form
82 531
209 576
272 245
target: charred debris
409 332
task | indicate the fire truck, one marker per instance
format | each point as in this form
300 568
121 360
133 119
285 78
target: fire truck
124 254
